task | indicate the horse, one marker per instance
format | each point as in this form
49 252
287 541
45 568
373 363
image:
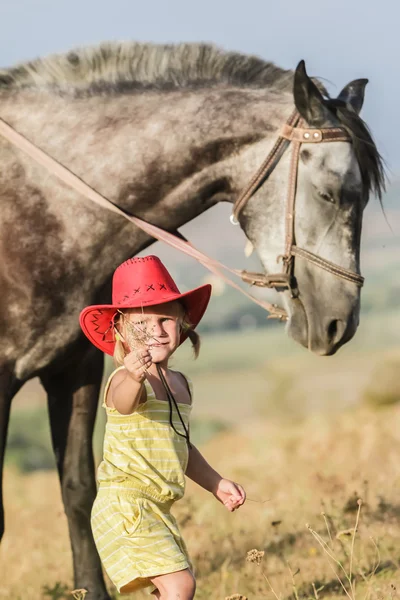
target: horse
165 132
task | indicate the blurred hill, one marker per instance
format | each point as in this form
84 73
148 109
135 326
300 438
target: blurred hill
213 233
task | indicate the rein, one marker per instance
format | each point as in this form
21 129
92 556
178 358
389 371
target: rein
291 133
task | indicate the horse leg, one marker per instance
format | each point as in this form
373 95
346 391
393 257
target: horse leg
9 386
72 399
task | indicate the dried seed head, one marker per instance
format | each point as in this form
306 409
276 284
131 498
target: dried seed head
236 597
79 594
255 556
137 336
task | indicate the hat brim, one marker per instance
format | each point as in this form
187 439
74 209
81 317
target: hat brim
97 321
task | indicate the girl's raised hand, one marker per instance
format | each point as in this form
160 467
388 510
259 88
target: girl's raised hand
137 363
231 494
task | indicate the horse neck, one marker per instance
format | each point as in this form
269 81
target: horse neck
195 148
166 157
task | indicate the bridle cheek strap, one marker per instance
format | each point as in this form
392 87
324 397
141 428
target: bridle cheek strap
292 132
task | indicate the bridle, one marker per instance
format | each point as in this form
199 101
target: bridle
292 133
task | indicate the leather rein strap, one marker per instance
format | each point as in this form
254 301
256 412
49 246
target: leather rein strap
291 133
65 175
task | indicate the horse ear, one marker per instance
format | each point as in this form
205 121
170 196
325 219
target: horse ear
307 97
353 94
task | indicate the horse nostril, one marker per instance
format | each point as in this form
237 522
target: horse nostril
335 330
332 330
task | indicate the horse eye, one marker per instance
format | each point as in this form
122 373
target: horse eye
326 196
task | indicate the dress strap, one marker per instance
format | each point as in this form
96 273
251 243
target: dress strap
149 390
108 386
189 385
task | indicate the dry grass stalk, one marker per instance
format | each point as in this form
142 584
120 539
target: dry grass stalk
256 556
329 552
236 597
353 584
315 590
79 594
292 575
137 337
327 527
258 501
331 555
368 580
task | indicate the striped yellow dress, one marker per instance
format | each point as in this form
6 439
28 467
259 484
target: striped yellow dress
142 474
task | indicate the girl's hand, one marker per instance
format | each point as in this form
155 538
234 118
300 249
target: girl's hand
230 494
137 363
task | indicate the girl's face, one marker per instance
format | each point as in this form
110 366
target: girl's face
158 328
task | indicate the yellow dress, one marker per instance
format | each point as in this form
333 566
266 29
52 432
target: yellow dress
142 474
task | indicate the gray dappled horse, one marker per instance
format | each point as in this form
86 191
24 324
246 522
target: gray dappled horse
165 132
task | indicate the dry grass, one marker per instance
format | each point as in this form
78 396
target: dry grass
310 472
310 469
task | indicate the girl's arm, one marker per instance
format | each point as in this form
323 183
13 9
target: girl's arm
199 471
231 494
124 393
126 386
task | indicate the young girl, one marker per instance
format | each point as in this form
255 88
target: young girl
147 448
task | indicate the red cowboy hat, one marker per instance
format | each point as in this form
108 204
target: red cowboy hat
140 282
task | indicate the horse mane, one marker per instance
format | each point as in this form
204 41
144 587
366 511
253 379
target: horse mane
112 66
369 159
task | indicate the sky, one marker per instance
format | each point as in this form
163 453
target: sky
340 41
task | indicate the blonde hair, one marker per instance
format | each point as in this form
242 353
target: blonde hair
193 337
187 329
119 350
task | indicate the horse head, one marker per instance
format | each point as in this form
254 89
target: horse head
328 185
